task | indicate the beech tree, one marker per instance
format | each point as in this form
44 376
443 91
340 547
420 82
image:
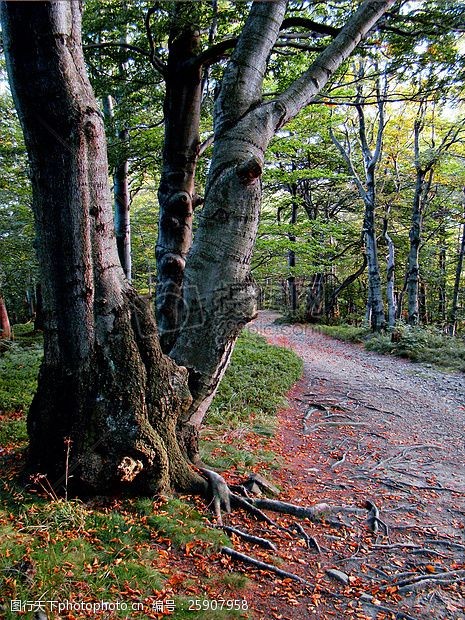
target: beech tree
132 413
367 190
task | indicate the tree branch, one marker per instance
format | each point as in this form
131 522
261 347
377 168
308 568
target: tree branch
302 90
155 62
309 24
243 78
215 52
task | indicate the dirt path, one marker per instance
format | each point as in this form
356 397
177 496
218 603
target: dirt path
360 427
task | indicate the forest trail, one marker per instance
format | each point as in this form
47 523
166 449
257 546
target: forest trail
361 426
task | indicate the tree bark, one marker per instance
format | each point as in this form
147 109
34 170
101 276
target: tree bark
5 327
457 279
390 276
104 383
176 194
121 196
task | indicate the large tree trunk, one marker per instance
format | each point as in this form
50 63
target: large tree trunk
5 328
104 382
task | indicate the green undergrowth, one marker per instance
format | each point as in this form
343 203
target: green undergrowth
135 551
57 550
347 333
419 344
243 413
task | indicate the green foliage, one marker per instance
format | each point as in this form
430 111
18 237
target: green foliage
19 367
421 345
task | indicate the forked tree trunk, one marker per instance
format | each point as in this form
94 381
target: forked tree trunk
315 302
219 294
5 328
374 315
104 382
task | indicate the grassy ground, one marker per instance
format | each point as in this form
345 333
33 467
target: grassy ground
142 556
426 345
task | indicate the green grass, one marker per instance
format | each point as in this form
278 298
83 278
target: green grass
347 333
243 413
19 367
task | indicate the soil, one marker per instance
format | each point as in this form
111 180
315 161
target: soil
362 427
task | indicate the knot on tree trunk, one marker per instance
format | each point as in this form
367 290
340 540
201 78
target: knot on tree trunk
129 468
180 204
249 171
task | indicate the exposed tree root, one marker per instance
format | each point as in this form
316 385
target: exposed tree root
247 559
315 427
367 599
404 452
374 520
255 540
310 540
319 512
422 581
340 461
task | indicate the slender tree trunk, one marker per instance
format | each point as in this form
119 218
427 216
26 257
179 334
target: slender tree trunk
458 277
5 327
390 276
122 217
414 252
442 302
377 318
104 382
122 201
291 282
176 194
39 309
315 299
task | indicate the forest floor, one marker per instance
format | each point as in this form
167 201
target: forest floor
365 427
